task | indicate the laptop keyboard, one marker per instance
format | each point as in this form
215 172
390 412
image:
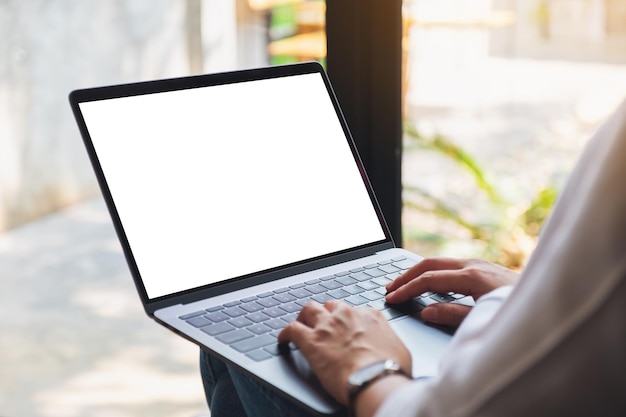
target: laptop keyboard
251 325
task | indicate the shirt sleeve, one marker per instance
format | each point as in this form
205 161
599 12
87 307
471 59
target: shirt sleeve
554 344
483 312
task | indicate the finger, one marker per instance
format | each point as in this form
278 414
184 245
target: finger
295 332
446 314
428 264
435 281
309 314
333 305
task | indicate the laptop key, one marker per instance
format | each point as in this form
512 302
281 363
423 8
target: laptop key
467 301
393 276
353 289
381 290
217 316
234 311
368 285
254 343
331 285
316 289
290 317
322 298
392 313
235 336
375 272
404 264
257 317
442 298
303 301
356 300
300 293
390 269
338 293
276 324
274 312
346 280
291 307
199 321
232 304
269 302
218 328
371 295
381 281
192 315
258 355
240 322
284 297
259 328
378 304
273 350
252 307
360 276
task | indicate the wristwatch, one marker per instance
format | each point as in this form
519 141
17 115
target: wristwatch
363 377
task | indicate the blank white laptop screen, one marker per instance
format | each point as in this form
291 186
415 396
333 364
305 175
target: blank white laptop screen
218 182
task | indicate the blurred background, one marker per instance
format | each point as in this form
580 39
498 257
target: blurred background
498 99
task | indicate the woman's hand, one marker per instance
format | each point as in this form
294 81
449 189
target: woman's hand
473 277
337 340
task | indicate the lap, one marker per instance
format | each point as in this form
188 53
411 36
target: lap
248 396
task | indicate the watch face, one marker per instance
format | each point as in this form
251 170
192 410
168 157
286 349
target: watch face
371 371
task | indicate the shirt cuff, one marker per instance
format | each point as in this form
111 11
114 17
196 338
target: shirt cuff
404 401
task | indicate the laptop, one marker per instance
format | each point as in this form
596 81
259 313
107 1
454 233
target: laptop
238 197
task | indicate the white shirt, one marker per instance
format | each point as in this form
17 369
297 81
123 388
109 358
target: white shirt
555 345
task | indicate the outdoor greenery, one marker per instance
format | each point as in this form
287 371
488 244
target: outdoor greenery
507 234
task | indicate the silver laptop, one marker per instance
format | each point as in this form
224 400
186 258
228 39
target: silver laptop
237 198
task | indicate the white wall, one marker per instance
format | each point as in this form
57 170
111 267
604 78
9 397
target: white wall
49 48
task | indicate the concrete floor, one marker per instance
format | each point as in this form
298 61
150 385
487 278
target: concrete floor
74 340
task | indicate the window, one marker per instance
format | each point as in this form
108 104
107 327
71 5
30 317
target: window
501 97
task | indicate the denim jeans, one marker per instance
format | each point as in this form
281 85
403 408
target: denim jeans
230 393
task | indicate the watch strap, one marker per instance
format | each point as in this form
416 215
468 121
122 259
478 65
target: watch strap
374 372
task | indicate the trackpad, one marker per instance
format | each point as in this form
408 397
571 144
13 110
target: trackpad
427 344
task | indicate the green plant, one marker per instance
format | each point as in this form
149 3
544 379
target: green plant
511 231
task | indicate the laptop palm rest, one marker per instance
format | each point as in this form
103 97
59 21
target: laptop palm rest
427 345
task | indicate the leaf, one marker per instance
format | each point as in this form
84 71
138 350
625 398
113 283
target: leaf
443 145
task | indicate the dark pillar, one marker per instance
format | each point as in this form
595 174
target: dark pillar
364 62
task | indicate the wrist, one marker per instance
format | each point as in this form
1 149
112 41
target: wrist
372 397
370 385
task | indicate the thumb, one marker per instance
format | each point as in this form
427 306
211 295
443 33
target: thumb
446 314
